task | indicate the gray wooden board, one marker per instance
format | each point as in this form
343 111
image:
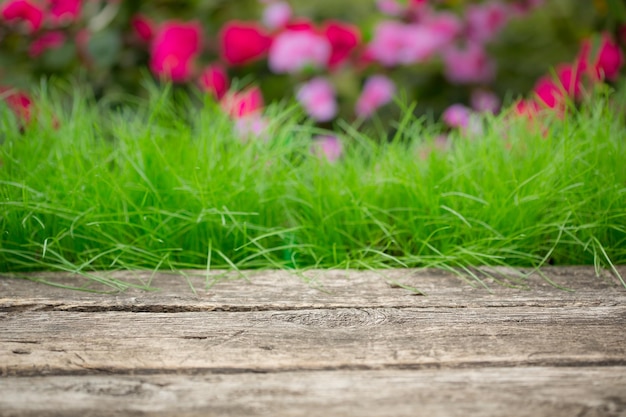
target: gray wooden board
277 290
343 343
522 392
69 342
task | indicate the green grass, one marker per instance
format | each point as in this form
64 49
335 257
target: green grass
167 185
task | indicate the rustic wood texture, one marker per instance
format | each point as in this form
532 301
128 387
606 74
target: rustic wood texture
284 290
521 392
321 343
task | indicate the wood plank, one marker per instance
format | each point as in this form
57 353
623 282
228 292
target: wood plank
282 290
57 342
523 392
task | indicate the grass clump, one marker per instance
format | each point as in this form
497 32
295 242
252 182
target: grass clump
168 185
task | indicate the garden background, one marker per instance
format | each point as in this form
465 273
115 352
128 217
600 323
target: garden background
414 91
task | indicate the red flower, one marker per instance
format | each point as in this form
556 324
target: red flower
174 49
65 10
300 24
243 103
343 38
242 43
49 40
606 63
143 27
19 103
214 80
23 10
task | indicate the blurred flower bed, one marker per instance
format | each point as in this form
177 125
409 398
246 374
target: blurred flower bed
339 60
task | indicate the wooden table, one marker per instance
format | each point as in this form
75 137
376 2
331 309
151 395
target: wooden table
343 343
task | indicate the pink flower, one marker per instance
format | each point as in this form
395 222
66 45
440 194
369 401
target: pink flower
64 11
243 42
251 126
243 103
174 49
447 26
457 115
49 40
485 101
397 43
377 91
214 80
143 27
328 147
292 51
468 65
318 99
484 21
23 10
390 7
343 39
277 14
607 62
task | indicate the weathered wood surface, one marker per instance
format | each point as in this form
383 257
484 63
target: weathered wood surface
283 290
346 343
520 392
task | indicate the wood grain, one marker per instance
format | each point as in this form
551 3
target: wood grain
69 342
521 392
332 343
282 290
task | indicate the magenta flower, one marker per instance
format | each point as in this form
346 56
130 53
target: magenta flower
343 38
64 11
468 65
214 80
243 103
606 63
377 91
553 92
328 147
23 10
318 99
294 50
19 103
143 28
49 40
174 49
277 14
486 20
243 42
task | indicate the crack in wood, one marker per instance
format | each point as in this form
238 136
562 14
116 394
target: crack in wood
174 309
87 370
